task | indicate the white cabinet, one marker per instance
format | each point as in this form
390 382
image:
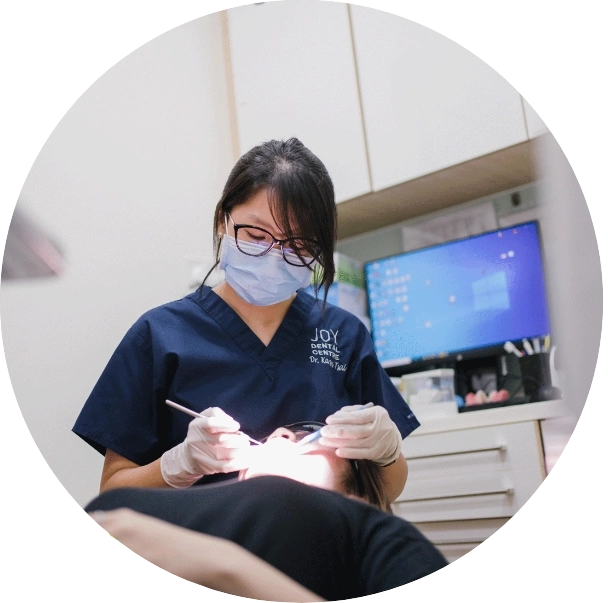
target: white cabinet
470 473
427 102
294 75
536 126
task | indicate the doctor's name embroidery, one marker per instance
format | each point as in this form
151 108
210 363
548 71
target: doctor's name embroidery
324 349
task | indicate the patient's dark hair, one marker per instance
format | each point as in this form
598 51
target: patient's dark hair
364 480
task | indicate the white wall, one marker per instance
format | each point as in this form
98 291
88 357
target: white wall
127 184
575 273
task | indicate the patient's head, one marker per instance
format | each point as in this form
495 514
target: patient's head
318 467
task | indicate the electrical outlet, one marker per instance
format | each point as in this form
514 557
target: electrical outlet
512 202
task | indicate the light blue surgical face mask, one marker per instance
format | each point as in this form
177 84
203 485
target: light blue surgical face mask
262 280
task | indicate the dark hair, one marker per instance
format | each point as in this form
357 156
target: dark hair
364 480
301 196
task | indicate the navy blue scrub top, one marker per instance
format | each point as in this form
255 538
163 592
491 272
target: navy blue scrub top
199 353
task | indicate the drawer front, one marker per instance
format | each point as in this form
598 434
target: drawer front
471 531
476 473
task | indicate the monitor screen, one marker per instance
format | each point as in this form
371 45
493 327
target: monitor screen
456 297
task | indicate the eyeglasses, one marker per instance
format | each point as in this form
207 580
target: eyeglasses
304 428
296 251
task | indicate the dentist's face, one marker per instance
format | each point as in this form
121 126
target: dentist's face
278 456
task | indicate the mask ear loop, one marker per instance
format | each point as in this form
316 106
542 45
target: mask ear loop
222 244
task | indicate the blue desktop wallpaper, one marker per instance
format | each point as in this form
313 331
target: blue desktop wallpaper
458 296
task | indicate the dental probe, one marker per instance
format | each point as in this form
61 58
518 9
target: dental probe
309 439
193 413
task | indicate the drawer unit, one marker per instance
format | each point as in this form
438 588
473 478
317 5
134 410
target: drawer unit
472 473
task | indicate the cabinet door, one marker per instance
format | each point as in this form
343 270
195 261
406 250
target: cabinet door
427 102
536 126
294 75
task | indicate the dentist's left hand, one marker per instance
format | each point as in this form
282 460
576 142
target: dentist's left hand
211 446
363 432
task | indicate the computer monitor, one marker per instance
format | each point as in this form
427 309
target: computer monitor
458 299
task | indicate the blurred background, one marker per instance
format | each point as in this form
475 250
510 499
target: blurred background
425 144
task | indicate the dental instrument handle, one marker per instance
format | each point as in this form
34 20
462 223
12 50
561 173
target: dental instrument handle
185 410
315 435
193 413
510 348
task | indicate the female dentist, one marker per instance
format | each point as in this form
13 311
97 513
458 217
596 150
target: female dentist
254 352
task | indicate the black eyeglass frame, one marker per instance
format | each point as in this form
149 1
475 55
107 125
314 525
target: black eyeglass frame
308 426
306 262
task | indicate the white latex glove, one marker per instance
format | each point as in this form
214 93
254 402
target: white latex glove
363 432
211 446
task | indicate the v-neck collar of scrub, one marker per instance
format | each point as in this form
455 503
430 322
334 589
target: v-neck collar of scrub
269 357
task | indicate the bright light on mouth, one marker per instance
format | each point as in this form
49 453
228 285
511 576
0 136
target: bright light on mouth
280 456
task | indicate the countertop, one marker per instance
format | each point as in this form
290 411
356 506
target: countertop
532 411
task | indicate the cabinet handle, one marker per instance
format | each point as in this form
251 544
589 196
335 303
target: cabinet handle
506 491
501 448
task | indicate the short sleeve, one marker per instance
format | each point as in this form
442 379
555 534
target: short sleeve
121 413
369 382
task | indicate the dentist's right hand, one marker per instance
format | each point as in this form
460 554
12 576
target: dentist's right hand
211 446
